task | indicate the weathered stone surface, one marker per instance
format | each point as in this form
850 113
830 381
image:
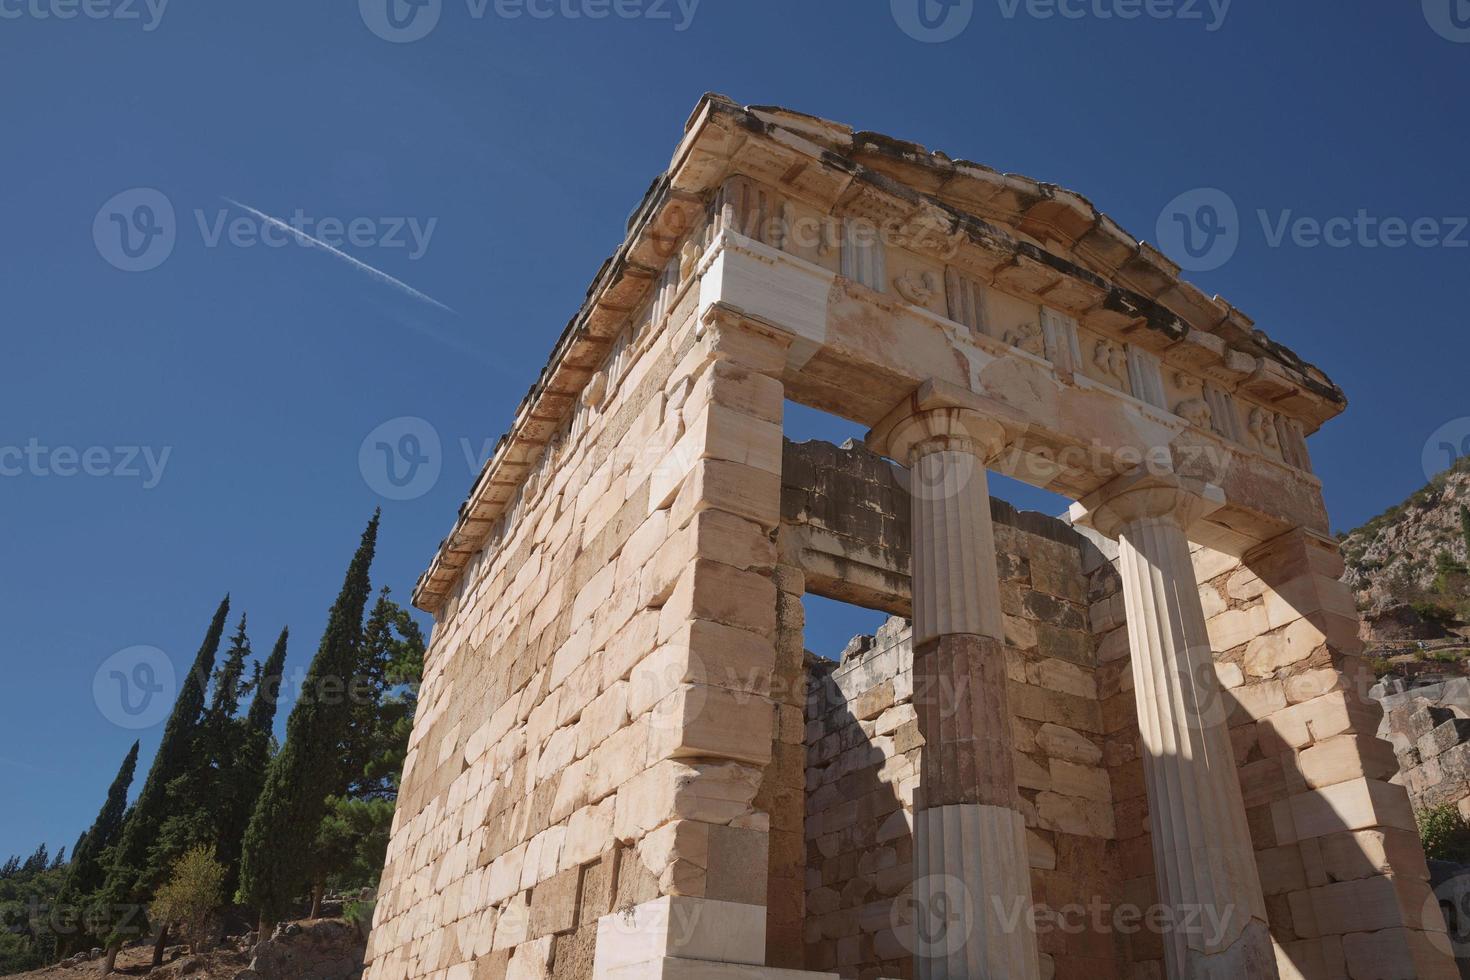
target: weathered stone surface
614 709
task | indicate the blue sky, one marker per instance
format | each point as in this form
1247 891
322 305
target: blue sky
211 409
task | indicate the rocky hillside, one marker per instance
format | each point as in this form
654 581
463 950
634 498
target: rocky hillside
320 949
1407 566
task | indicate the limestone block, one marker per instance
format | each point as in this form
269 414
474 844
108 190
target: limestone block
1364 853
677 854
1357 804
1087 782
1074 815
603 717
1059 742
512 927
1366 904
554 904
710 722
1267 654
745 491
719 593
1232 628
1344 757
530 961
505 875
588 833
1255 701
1230 675
1281 870
1397 954
691 928
1316 720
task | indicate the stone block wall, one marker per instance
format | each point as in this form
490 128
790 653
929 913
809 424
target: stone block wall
1429 729
1343 871
596 715
1068 670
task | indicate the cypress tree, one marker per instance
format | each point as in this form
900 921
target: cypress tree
278 841
202 794
133 874
1465 531
247 772
85 874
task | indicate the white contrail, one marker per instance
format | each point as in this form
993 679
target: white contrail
306 239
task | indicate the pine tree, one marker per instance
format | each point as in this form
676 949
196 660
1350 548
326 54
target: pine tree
247 771
278 842
88 857
133 875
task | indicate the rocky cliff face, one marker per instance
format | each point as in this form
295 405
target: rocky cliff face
1393 562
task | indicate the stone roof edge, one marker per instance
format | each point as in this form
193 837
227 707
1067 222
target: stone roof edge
475 520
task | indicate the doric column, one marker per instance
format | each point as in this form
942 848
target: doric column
1203 855
972 879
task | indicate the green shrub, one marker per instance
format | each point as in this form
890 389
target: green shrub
191 895
360 914
1445 834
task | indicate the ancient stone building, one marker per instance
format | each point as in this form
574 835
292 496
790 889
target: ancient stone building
625 766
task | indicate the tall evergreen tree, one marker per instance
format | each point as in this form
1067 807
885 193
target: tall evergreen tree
1465 531
88 857
246 774
133 875
200 796
278 842
385 694
39 861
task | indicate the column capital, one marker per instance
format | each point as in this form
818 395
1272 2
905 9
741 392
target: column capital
1146 496
940 417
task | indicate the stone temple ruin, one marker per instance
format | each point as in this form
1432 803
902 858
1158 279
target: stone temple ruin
1136 743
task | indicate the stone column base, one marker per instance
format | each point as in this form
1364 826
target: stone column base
680 938
972 894
675 968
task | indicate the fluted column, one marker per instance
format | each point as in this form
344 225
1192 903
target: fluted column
1202 848
972 877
